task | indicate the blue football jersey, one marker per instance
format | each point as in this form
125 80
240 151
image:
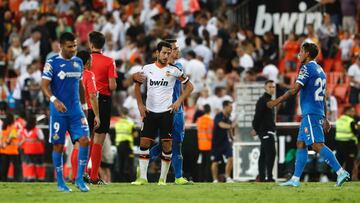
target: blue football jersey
64 75
313 81
177 89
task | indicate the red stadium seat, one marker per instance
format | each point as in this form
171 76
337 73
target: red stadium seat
330 88
338 66
335 78
327 65
340 92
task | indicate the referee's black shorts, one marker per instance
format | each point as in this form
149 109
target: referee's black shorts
157 124
105 114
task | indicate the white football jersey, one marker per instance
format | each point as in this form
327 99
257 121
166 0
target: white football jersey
160 86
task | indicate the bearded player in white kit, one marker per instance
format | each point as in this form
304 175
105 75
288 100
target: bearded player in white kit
158 113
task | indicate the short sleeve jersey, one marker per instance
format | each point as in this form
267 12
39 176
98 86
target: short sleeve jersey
64 75
160 86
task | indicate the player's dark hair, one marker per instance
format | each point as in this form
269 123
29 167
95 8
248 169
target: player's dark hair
84 56
269 81
207 108
97 39
170 40
311 48
226 103
67 37
163 44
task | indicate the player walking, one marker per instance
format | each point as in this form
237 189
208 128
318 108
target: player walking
311 83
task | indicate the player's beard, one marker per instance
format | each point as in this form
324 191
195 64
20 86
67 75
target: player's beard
163 62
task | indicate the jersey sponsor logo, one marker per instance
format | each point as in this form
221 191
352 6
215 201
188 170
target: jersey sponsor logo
62 75
159 83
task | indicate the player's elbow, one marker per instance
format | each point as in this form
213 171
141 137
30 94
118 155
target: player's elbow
190 86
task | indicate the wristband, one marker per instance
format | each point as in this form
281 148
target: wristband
53 98
84 107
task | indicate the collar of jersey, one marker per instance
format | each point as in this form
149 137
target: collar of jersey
60 56
159 65
313 61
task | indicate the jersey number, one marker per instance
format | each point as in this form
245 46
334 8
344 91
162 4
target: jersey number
320 91
56 127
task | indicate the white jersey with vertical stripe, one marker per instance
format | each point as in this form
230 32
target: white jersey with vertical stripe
160 86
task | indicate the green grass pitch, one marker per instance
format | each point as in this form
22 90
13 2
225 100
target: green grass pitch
199 192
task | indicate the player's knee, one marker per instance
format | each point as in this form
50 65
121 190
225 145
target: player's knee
58 148
145 143
84 141
166 145
300 145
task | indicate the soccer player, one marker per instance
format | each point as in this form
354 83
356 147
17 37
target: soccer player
91 104
62 84
178 123
158 112
311 83
105 77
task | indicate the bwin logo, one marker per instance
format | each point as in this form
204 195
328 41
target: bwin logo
158 83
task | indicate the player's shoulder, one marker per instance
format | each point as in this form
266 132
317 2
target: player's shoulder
149 66
75 58
177 66
102 57
88 73
308 68
53 59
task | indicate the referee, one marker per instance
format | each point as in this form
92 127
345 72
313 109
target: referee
105 77
264 127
